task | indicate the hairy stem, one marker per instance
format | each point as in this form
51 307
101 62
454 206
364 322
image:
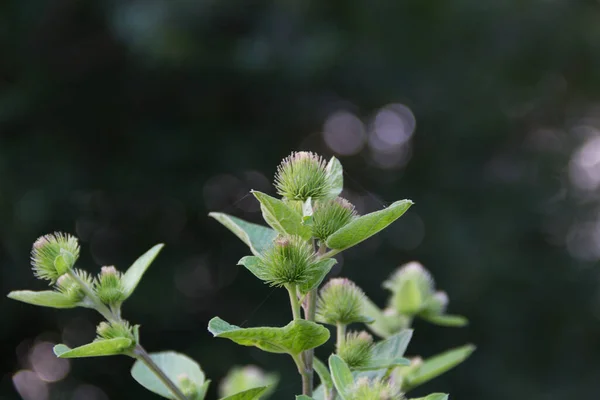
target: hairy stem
141 354
294 300
306 383
341 335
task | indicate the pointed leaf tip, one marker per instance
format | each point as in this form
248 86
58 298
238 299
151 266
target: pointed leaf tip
257 237
46 298
250 394
134 274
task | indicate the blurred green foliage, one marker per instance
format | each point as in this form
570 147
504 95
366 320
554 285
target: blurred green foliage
126 122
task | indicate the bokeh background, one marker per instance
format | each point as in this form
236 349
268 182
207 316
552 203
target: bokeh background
126 122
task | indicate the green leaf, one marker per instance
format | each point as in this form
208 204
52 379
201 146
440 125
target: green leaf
295 337
389 353
366 226
303 397
335 177
434 396
282 217
319 272
250 394
134 274
98 348
342 377
46 298
255 265
437 365
446 320
174 365
247 377
323 372
379 325
408 299
257 237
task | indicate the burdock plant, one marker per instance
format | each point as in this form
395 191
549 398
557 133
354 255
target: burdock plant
308 225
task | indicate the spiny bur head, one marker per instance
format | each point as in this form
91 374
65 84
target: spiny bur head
340 301
109 286
375 389
187 386
331 215
69 287
289 261
438 303
356 349
406 279
113 330
53 255
302 175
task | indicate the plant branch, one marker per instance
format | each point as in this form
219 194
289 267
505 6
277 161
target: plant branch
294 301
99 305
306 382
141 354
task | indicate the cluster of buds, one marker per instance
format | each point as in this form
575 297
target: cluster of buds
413 291
289 261
331 215
302 175
373 389
356 349
109 286
340 302
71 288
53 255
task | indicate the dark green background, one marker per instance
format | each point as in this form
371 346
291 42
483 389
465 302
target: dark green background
126 122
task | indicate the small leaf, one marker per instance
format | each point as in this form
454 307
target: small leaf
98 348
320 271
134 274
250 394
437 365
446 320
434 396
366 226
46 298
341 375
389 353
303 397
257 237
254 265
307 211
282 217
335 177
295 337
247 377
380 325
174 365
408 299
323 372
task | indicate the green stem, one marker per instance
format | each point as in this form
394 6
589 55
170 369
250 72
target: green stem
306 382
341 335
141 354
291 288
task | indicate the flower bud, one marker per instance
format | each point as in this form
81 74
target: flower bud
330 215
412 286
340 302
112 330
355 350
302 175
187 386
109 286
437 303
375 389
53 255
69 287
289 261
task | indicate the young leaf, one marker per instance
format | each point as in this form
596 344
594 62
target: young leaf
174 365
281 217
446 320
257 237
134 274
254 265
437 365
434 396
380 325
342 377
324 375
320 271
408 298
388 353
247 377
98 348
294 338
335 177
366 226
46 298
250 394
303 397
